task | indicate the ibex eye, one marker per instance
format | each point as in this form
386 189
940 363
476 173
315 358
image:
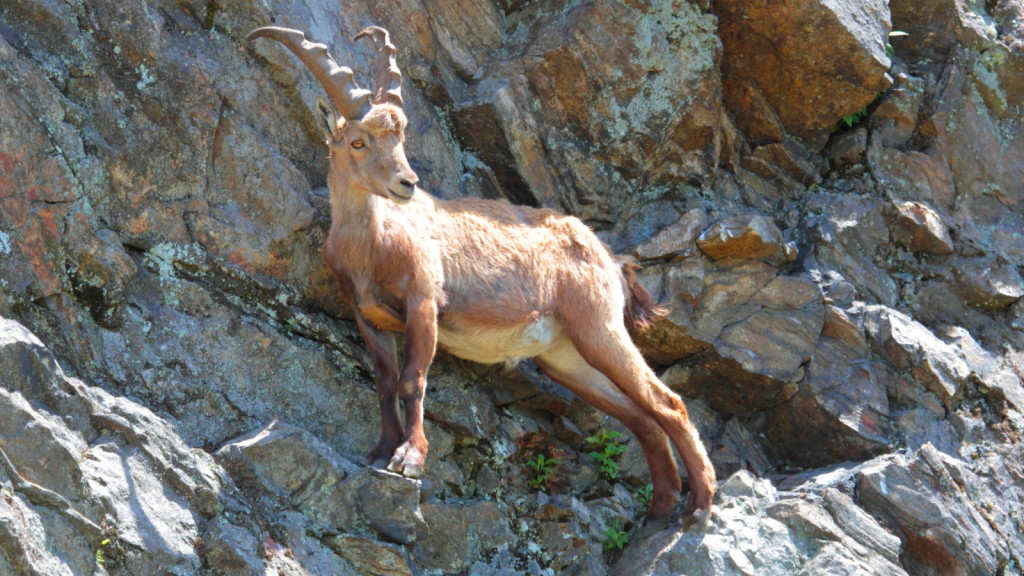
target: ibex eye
357 143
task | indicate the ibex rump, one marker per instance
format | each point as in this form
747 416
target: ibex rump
490 281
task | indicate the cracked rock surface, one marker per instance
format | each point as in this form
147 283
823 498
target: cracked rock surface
832 217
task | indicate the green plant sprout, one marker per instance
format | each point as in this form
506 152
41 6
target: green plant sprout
889 50
609 450
849 121
542 466
99 552
613 537
644 495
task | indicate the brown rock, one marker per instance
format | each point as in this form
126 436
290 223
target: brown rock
915 175
779 337
787 160
985 163
613 103
753 237
894 119
755 117
372 557
469 31
813 61
492 124
934 26
921 229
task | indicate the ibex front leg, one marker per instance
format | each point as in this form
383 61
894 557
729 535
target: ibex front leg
385 374
420 340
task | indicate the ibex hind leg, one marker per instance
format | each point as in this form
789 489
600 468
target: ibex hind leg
565 365
603 341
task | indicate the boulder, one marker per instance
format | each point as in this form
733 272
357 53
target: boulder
786 163
936 26
922 177
894 119
759 347
850 235
119 466
847 148
813 61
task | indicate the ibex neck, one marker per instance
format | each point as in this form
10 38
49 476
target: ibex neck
351 204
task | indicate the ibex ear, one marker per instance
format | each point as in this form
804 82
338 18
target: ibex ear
326 119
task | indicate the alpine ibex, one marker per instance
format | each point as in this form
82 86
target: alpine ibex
492 282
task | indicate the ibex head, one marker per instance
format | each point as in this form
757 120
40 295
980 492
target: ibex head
367 131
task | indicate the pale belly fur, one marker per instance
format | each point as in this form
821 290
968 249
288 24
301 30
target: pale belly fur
501 345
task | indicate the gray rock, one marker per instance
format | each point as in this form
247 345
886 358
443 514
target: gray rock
335 495
856 523
122 469
745 537
911 347
460 535
986 286
230 549
285 460
675 239
942 530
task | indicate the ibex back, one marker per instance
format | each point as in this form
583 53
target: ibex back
490 281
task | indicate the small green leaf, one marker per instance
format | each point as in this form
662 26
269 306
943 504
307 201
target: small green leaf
897 34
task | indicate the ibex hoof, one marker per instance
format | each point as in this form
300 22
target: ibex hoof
654 525
702 518
407 461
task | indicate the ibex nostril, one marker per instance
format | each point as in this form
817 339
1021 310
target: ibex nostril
408 183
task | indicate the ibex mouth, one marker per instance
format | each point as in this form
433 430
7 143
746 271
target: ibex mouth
398 198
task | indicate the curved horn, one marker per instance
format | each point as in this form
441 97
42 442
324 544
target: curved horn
351 101
389 78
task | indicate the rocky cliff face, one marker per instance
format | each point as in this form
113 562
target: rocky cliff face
181 391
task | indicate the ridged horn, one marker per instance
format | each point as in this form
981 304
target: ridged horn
351 101
389 77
